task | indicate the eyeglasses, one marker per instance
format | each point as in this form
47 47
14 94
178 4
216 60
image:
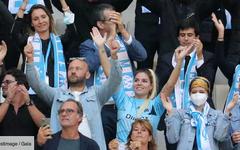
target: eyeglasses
7 82
68 111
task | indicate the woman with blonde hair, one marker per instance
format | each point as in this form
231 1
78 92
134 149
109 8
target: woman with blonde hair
145 104
203 127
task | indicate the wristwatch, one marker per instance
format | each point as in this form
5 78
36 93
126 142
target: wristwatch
29 103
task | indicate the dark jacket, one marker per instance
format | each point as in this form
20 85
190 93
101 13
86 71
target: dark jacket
85 142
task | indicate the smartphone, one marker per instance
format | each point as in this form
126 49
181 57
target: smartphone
45 122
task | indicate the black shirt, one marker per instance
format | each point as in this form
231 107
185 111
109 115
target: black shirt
18 124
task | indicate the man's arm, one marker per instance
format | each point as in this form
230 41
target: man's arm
46 92
110 86
135 49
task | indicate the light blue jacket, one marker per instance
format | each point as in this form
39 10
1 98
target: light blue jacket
180 130
92 99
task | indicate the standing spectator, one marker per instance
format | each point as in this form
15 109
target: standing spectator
203 127
197 63
70 116
108 21
6 23
92 98
145 19
83 10
48 49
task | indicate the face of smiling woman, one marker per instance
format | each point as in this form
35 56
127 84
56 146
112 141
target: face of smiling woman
142 85
40 21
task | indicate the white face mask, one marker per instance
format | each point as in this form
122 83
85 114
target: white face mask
199 99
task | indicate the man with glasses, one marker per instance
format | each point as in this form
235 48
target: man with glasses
109 22
18 115
92 98
70 116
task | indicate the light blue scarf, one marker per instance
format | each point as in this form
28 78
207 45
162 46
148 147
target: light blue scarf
41 63
235 85
199 119
126 66
180 96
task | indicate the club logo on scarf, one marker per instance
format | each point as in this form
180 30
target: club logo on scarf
127 71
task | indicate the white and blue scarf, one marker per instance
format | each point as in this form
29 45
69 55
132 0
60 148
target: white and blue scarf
180 97
235 85
41 63
199 120
127 71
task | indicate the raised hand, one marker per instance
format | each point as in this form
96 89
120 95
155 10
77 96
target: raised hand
11 91
135 145
167 104
182 51
3 51
28 51
23 92
97 37
232 104
117 19
218 24
199 48
113 144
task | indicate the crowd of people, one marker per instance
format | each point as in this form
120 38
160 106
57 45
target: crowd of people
94 86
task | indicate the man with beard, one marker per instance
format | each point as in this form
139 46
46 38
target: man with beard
92 98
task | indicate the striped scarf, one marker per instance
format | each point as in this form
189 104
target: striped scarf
41 63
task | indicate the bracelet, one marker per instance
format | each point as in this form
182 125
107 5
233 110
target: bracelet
66 9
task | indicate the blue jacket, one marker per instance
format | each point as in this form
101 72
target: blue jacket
92 99
135 50
180 130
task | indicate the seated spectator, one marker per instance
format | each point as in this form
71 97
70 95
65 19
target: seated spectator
70 116
139 138
203 127
92 98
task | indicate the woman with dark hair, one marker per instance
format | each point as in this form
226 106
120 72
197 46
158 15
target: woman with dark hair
199 127
139 138
47 45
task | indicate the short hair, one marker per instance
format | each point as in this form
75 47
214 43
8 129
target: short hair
51 20
97 14
79 105
143 122
189 22
153 80
19 76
